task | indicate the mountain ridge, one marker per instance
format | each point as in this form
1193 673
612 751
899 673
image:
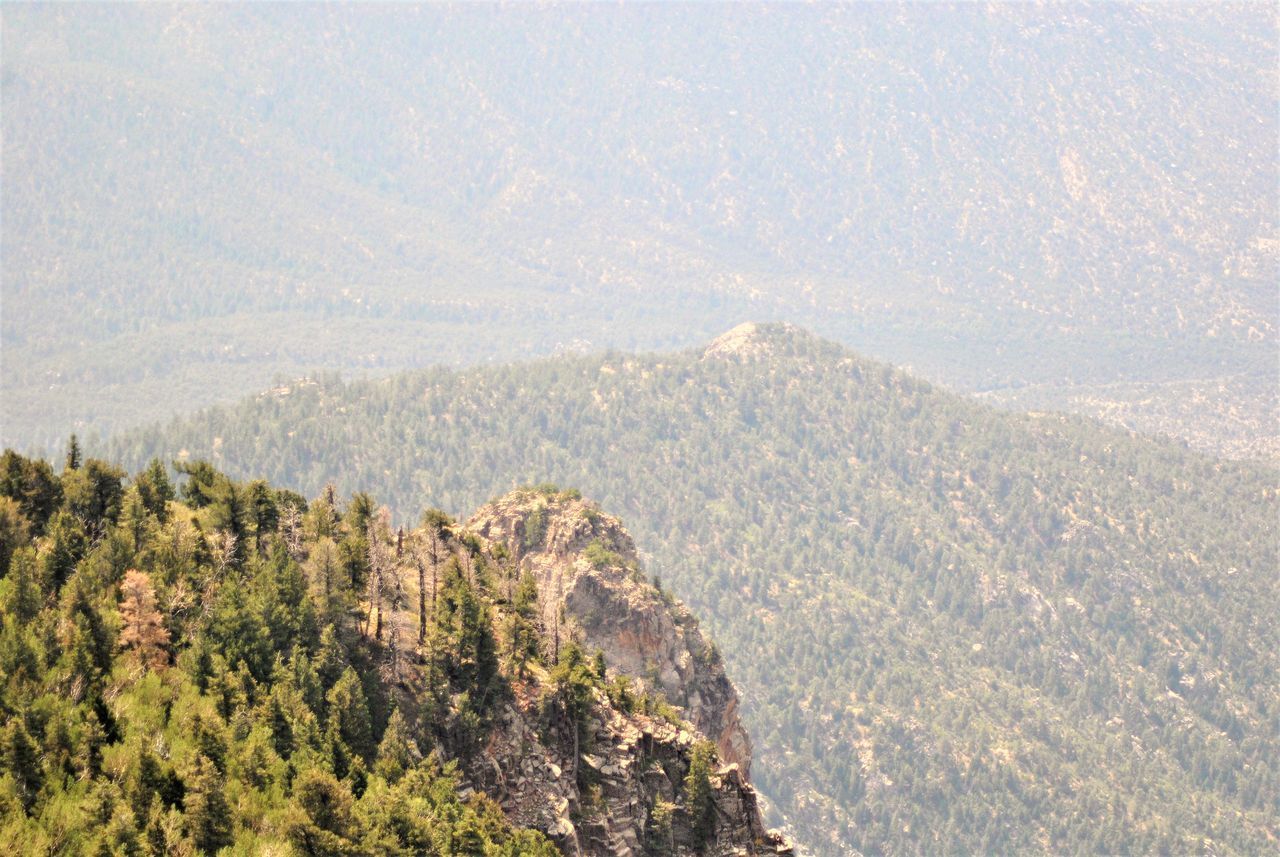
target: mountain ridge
942 563
191 210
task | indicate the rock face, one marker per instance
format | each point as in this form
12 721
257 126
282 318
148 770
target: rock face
623 792
636 766
587 572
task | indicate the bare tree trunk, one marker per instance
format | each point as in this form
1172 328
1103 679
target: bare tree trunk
435 566
576 730
380 565
422 601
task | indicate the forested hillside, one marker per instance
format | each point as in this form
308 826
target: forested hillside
229 668
197 198
954 629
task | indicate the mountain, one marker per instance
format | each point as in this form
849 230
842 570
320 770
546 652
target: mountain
953 629
243 671
1062 206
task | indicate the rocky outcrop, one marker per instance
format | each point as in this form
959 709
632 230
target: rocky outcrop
634 799
754 340
590 583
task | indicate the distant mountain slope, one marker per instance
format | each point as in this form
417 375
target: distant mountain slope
197 198
954 629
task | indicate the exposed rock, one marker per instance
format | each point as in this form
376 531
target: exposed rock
753 340
617 787
633 804
585 561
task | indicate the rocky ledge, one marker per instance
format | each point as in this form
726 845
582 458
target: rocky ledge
631 798
587 571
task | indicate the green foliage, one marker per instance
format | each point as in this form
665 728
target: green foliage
32 484
349 714
523 626
470 650
621 695
399 751
205 808
272 726
19 760
972 601
202 479
535 529
698 793
155 490
600 556
569 697
573 683
93 494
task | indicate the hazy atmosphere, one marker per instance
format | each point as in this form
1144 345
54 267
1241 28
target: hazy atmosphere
1063 207
640 428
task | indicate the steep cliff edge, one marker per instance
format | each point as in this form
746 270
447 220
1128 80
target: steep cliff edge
625 788
590 584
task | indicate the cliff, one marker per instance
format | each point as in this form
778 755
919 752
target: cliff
632 796
629 795
587 571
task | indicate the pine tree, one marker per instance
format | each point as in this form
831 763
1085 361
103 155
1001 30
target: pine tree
428 550
398 751
72 461
262 512
20 596
93 493
208 817
155 490
349 710
143 629
22 761
522 626
64 546
381 564
229 518
15 531
197 492
32 484
698 798
323 820
472 660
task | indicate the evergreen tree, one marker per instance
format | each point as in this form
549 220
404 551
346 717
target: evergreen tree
15 531
349 711
523 632
155 490
262 512
323 821
72 461
20 595
22 762
698 795
202 477
30 483
64 547
205 810
93 493
398 751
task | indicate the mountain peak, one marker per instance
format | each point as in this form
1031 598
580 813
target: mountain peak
753 339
